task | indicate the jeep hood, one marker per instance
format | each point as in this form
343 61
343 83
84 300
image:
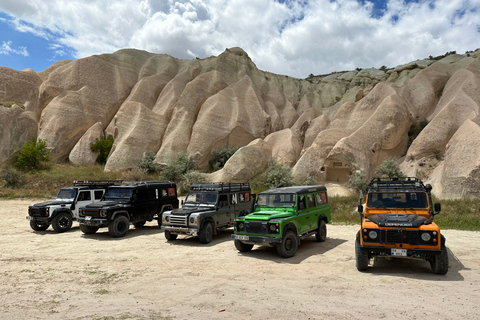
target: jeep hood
52 203
266 215
398 220
101 204
185 211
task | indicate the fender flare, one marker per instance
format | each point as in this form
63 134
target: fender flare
120 213
57 211
289 226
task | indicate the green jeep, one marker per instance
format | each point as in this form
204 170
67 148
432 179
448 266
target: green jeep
282 217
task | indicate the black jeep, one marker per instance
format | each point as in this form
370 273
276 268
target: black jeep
133 202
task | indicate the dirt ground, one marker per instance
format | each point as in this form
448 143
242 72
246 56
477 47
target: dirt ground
45 275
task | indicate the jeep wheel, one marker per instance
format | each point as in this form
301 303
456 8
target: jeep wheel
169 236
289 245
439 263
361 257
242 247
118 228
62 222
321 234
88 229
139 224
38 226
206 233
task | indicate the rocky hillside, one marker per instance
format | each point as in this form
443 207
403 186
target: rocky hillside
325 127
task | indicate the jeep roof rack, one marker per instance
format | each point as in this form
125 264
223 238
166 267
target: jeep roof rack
88 183
221 186
296 189
396 184
146 183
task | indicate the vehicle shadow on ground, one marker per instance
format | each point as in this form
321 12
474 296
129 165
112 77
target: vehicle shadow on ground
309 247
103 235
417 269
224 235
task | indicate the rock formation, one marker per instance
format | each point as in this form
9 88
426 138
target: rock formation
324 127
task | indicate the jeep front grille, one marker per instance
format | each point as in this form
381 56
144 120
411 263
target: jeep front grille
400 236
176 220
256 227
91 212
37 212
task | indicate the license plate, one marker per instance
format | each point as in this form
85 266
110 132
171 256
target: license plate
399 252
29 218
88 218
241 237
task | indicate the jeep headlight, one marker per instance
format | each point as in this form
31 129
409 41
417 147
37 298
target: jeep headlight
103 213
240 225
426 236
273 228
192 220
373 234
167 218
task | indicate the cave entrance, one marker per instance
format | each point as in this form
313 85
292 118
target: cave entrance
337 172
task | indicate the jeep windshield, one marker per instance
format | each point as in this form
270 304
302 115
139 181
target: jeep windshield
402 200
66 194
276 200
198 198
119 193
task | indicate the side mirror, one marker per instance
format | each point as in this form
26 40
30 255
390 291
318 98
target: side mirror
438 207
360 209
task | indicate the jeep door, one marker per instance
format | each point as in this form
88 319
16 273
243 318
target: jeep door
304 213
223 212
84 197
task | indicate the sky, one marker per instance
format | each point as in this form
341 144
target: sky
290 37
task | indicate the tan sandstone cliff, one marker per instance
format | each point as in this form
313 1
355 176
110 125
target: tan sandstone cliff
325 128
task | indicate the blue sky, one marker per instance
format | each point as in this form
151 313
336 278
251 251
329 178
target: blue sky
291 37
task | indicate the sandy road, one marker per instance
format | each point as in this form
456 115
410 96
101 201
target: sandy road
45 275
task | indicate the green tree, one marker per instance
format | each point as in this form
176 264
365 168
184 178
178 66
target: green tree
176 170
32 155
278 175
103 147
390 169
13 178
358 181
146 164
220 157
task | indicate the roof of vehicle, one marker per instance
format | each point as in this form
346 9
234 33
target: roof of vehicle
397 184
94 184
146 184
296 190
221 186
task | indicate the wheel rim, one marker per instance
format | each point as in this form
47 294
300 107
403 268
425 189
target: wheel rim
121 226
63 222
289 244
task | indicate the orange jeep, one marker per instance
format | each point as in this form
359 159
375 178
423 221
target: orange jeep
398 223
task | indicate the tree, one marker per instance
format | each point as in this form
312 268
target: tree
390 169
220 157
278 175
103 147
146 163
32 155
176 170
358 181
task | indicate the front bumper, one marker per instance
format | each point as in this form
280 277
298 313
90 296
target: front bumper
382 251
258 240
93 222
181 230
40 219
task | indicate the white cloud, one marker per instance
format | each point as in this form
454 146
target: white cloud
294 38
6 49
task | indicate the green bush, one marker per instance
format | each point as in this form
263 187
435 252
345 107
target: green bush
32 155
220 157
390 169
278 175
146 163
13 178
176 170
189 178
358 181
103 147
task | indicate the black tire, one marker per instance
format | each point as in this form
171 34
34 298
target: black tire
118 228
289 245
62 222
169 236
88 229
439 263
139 224
242 247
39 226
206 233
361 257
321 234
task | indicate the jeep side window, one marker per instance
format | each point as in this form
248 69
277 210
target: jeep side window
223 201
84 196
311 200
98 194
301 203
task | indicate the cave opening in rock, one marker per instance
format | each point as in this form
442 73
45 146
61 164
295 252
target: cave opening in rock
338 172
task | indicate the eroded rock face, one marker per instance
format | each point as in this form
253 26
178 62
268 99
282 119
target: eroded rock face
325 128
